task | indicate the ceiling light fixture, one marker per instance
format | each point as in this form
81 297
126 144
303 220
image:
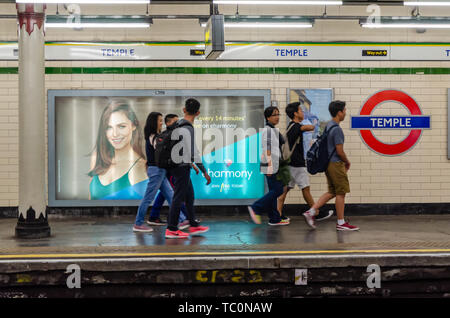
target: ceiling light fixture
106 22
278 2
265 25
97 25
246 21
85 1
426 3
268 25
407 23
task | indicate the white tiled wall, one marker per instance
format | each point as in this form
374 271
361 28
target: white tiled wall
421 175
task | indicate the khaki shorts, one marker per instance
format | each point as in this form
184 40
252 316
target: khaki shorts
337 178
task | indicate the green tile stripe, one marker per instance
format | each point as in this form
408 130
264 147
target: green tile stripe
236 70
9 70
249 43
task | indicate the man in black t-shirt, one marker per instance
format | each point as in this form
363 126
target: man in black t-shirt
297 166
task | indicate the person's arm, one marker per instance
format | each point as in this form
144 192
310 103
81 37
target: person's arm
205 173
196 157
307 128
195 168
340 152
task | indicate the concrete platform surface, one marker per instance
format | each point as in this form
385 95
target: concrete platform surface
81 237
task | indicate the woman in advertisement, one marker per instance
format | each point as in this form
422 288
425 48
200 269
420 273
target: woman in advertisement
118 166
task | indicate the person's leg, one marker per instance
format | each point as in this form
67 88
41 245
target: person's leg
327 196
155 178
307 196
340 206
167 191
281 200
190 210
183 214
181 183
155 211
276 189
264 204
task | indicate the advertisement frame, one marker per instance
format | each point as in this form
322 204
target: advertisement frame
448 124
52 169
288 90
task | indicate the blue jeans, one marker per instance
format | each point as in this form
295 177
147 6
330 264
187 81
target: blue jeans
156 181
157 205
268 203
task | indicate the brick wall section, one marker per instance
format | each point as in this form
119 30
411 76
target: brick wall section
419 176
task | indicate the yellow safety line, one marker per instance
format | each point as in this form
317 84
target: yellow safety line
16 256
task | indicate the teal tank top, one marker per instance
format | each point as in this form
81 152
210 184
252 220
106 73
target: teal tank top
120 189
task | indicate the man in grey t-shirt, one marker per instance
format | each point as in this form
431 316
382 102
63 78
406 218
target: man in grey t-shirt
337 179
335 137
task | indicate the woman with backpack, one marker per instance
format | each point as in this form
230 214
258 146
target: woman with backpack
156 176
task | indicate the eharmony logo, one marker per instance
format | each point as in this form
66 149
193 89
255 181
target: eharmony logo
230 174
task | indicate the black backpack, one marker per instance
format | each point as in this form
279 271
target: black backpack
317 157
164 145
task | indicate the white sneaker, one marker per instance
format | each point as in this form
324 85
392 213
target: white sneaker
330 213
184 225
309 219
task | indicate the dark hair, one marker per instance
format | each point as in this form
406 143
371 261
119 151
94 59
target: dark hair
151 125
291 109
192 106
104 150
169 117
269 111
335 107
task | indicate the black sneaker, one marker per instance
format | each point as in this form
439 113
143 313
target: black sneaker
323 215
157 221
282 222
285 218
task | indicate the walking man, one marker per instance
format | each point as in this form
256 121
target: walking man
297 129
336 173
183 189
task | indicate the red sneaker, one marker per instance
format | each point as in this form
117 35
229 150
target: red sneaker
176 234
346 227
195 230
142 228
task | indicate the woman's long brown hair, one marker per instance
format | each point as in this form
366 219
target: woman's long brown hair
104 150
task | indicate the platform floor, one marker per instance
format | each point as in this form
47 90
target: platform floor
97 237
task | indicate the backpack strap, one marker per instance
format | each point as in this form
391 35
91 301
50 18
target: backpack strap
289 128
331 128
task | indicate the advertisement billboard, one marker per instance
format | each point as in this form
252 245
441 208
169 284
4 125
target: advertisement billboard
97 146
315 102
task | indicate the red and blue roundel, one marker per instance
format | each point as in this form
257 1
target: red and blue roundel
365 123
